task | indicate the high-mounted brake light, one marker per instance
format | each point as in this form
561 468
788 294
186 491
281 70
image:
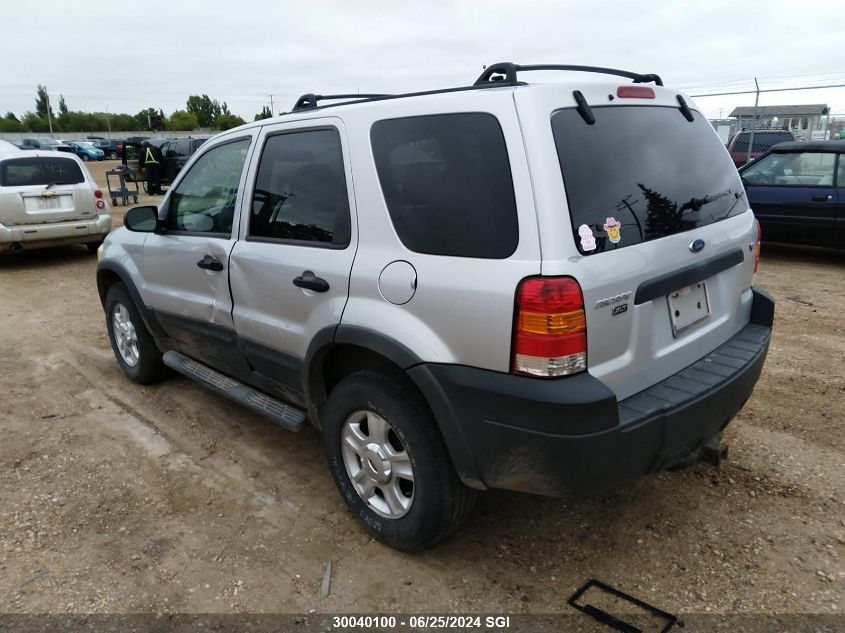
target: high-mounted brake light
635 92
98 193
757 246
550 329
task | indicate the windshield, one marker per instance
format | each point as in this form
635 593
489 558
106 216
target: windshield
763 141
39 170
642 173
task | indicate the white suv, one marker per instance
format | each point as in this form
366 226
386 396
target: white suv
47 199
545 288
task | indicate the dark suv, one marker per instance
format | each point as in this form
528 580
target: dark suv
764 140
176 153
111 148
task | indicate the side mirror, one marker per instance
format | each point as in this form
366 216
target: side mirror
141 219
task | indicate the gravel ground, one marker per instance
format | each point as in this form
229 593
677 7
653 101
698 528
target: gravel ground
121 498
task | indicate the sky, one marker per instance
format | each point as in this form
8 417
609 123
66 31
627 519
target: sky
112 56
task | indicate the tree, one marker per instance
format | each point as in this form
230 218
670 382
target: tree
228 121
42 101
10 123
183 121
11 116
62 106
142 119
205 108
264 114
31 122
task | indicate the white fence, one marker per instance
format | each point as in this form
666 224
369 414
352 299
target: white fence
17 137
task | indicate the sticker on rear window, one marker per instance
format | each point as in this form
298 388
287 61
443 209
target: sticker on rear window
614 229
588 241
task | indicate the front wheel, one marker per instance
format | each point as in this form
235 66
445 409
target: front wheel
133 346
390 463
112 155
84 157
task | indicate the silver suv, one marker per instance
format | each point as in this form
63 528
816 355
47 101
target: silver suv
544 288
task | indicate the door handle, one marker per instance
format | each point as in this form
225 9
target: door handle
310 281
210 263
821 198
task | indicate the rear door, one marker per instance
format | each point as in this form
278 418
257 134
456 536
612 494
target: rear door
44 189
290 272
794 197
645 210
185 269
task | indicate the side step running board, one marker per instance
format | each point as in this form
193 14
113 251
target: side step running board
279 412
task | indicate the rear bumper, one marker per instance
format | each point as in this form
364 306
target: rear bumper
55 234
571 436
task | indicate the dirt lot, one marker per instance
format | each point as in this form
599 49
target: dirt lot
119 498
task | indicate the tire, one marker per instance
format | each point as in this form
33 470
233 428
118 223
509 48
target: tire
426 508
147 366
112 156
93 246
84 157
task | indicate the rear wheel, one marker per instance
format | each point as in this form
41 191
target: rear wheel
132 344
112 155
84 157
390 463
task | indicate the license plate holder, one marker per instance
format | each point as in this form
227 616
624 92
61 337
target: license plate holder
688 307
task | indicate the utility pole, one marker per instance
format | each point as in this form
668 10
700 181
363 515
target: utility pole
272 112
753 127
624 202
49 118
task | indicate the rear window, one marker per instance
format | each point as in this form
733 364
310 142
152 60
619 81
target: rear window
763 141
39 170
641 173
447 183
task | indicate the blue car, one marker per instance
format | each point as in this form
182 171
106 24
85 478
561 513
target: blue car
797 192
85 150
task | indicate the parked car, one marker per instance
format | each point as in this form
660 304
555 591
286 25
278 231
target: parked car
763 141
530 287
176 153
46 143
797 191
112 148
85 150
49 199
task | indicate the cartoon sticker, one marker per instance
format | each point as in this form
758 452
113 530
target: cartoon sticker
588 242
613 228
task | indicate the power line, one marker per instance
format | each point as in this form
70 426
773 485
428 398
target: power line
751 92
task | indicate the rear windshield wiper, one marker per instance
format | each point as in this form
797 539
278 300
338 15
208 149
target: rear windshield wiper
57 182
696 203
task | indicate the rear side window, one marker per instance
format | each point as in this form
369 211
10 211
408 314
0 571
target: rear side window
300 192
763 141
39 170
447 183
641 173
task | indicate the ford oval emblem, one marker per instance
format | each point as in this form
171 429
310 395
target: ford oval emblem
696 246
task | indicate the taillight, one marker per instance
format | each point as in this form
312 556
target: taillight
101 204
634 92
550 329
98 193
757 246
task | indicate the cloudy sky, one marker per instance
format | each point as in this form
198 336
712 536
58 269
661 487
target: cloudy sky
125 56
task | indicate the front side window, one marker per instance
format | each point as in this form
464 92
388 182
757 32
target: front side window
204 201
807 169
39 170
300 191
447 183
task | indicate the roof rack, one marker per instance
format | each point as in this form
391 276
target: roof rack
505 72
310 100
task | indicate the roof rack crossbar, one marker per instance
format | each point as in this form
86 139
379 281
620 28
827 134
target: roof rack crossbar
505 72
310 100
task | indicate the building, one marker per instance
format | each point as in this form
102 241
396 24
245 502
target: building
808 122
